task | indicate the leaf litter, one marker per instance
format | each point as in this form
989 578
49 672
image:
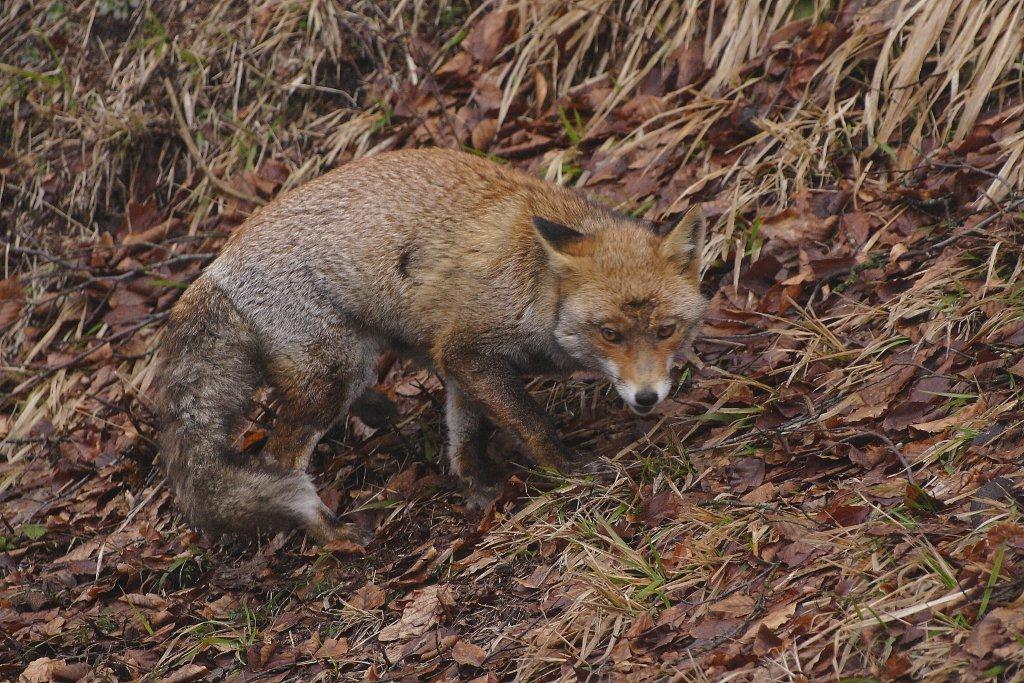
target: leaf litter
831 492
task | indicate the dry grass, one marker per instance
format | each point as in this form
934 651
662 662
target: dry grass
806 508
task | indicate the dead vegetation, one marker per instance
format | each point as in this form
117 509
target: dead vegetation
833 494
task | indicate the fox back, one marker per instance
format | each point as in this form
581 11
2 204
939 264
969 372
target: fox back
414 242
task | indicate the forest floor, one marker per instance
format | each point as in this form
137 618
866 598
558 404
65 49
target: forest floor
833 492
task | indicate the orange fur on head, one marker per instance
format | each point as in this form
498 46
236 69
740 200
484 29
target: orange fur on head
630 299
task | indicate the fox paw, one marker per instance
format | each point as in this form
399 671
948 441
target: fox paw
375 409
348 538
478 497
331 533
571 462
582 466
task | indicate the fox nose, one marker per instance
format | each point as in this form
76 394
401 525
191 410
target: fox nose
646 398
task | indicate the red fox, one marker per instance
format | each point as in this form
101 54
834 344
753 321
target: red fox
480 271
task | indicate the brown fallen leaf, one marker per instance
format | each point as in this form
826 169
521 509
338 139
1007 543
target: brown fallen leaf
745 473
779 615
331 648
45 669
220 607
541 574
423 612
146 600
641 108
665 504
12 298
483 134
736 605
986 635
868 457
858 226
844 515
186 674
957 418
489 35
368 597
905 413
710 627
455 68
830 267
762 494
759 276
796 553
1006 532
766 641
918 499
153 234
689 63
274 171
798 223
896 667
140 217
467 653
540 89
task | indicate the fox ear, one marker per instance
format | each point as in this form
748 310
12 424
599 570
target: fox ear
561 242
684 239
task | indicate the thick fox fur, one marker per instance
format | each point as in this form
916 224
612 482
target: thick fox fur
480 271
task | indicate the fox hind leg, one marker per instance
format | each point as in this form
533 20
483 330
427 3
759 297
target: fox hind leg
315 389
309 405
296 434
300 427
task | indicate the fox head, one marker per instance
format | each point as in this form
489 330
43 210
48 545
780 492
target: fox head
629 297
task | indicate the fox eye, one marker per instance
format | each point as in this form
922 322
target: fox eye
667 330
611 335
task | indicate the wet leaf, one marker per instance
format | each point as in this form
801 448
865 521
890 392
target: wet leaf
745 474
12 298
368 597
332 648
467 653
845 515
423 612
798 224
489 35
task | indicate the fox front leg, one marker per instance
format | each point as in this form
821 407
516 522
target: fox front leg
491 383
468 432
